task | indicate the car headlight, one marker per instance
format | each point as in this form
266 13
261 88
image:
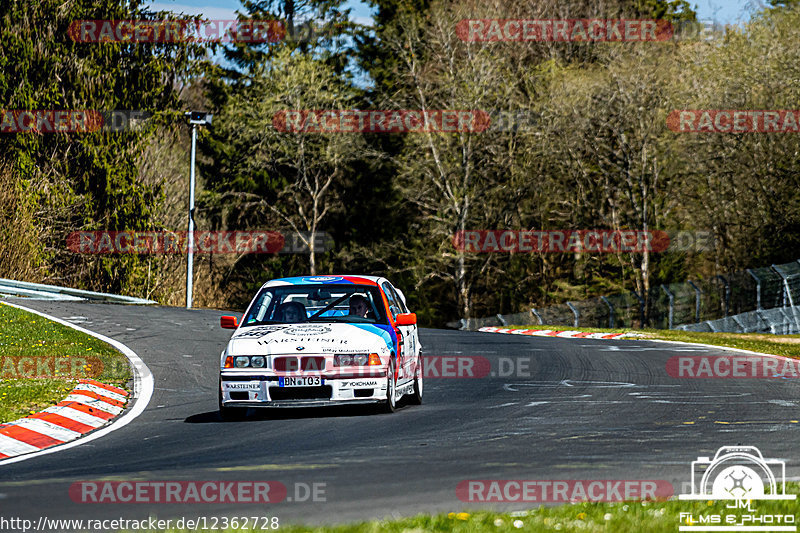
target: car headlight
359 359
241 361
257 361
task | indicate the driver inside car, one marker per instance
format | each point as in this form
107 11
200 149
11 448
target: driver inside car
292 312
359 306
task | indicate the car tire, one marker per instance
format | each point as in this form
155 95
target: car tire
230 413
416 396
390 404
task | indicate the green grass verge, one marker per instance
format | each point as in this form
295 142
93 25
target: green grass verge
41 361
664 516
788 345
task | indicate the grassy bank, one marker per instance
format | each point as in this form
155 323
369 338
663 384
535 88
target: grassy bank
655 517
41 361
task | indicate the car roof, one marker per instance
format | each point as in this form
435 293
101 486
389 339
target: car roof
313 280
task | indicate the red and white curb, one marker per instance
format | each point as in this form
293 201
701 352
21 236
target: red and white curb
565 334
90 405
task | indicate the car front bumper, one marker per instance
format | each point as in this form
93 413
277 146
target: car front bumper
239 390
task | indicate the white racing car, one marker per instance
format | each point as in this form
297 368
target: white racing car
321 340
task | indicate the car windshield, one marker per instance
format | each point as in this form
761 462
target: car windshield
290 304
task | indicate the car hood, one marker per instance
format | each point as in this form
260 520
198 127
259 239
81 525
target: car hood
316 338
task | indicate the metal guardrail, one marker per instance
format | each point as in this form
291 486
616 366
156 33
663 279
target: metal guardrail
39 291
718 302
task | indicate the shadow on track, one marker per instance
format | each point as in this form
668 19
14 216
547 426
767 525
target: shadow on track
293 413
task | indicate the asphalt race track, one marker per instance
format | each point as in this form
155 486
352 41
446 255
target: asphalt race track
589 409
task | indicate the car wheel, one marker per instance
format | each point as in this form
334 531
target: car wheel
390 404
230 413
416 397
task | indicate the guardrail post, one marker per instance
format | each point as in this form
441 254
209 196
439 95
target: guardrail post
574 312
758 289
537 315
610 311
671 304
697 293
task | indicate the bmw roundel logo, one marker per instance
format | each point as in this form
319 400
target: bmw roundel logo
300 348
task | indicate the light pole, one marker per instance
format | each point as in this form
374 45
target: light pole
196 118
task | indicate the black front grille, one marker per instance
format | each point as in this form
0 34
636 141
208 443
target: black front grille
322 392
313 363
287 364
240 395
362 393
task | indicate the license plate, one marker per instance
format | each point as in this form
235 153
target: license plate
301 381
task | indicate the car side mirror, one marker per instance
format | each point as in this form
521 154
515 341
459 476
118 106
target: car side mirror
229 322
406 319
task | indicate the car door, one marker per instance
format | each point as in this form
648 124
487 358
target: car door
406 358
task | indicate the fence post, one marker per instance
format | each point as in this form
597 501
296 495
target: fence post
610 311
671 304
574 312
758 288
641 308
537 315
787 296
697 293
787 291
